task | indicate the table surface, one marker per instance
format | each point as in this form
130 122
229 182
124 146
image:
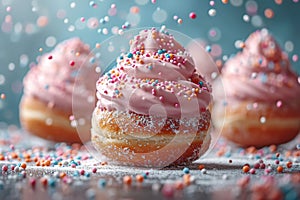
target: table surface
73 173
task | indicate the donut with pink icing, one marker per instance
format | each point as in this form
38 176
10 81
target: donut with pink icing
46 106
261 95
152 108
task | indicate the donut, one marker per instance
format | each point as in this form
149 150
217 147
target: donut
152 108
262 93
46 105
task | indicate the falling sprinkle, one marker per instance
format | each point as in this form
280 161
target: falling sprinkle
295 58
193 15
269 13
208 48
246 18
279 104
179 21
93 4
262 119
212 12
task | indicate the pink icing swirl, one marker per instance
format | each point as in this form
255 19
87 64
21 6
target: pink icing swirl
156 71
261 72
53 79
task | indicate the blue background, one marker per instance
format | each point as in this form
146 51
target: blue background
19 46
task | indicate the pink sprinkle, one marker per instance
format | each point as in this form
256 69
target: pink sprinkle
279 104
276 162
82 172
168 190
193 15
295 57
153 91
256 166
161 98
211 3
85 157
252 171
50 57
255 105
176 105
82 19
8 9
32 182
94 170
267 171
262 166
4 168
72 63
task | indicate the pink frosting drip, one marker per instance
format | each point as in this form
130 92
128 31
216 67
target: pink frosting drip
52 80
261 72
157 77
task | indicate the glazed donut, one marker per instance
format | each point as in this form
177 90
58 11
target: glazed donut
152 109
262 93
46 106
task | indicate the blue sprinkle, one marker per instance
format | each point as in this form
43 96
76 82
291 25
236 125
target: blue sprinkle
186 170
298 146
92 3
208 48
145 175
121 57
102 21
87 174
227 154
129 55
257 156
76 173
150 67
168 55
52 182
201 83
101 183
92 60
160 51
73 162
280 159
54 162
264 78
117 91
79 157
127 24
